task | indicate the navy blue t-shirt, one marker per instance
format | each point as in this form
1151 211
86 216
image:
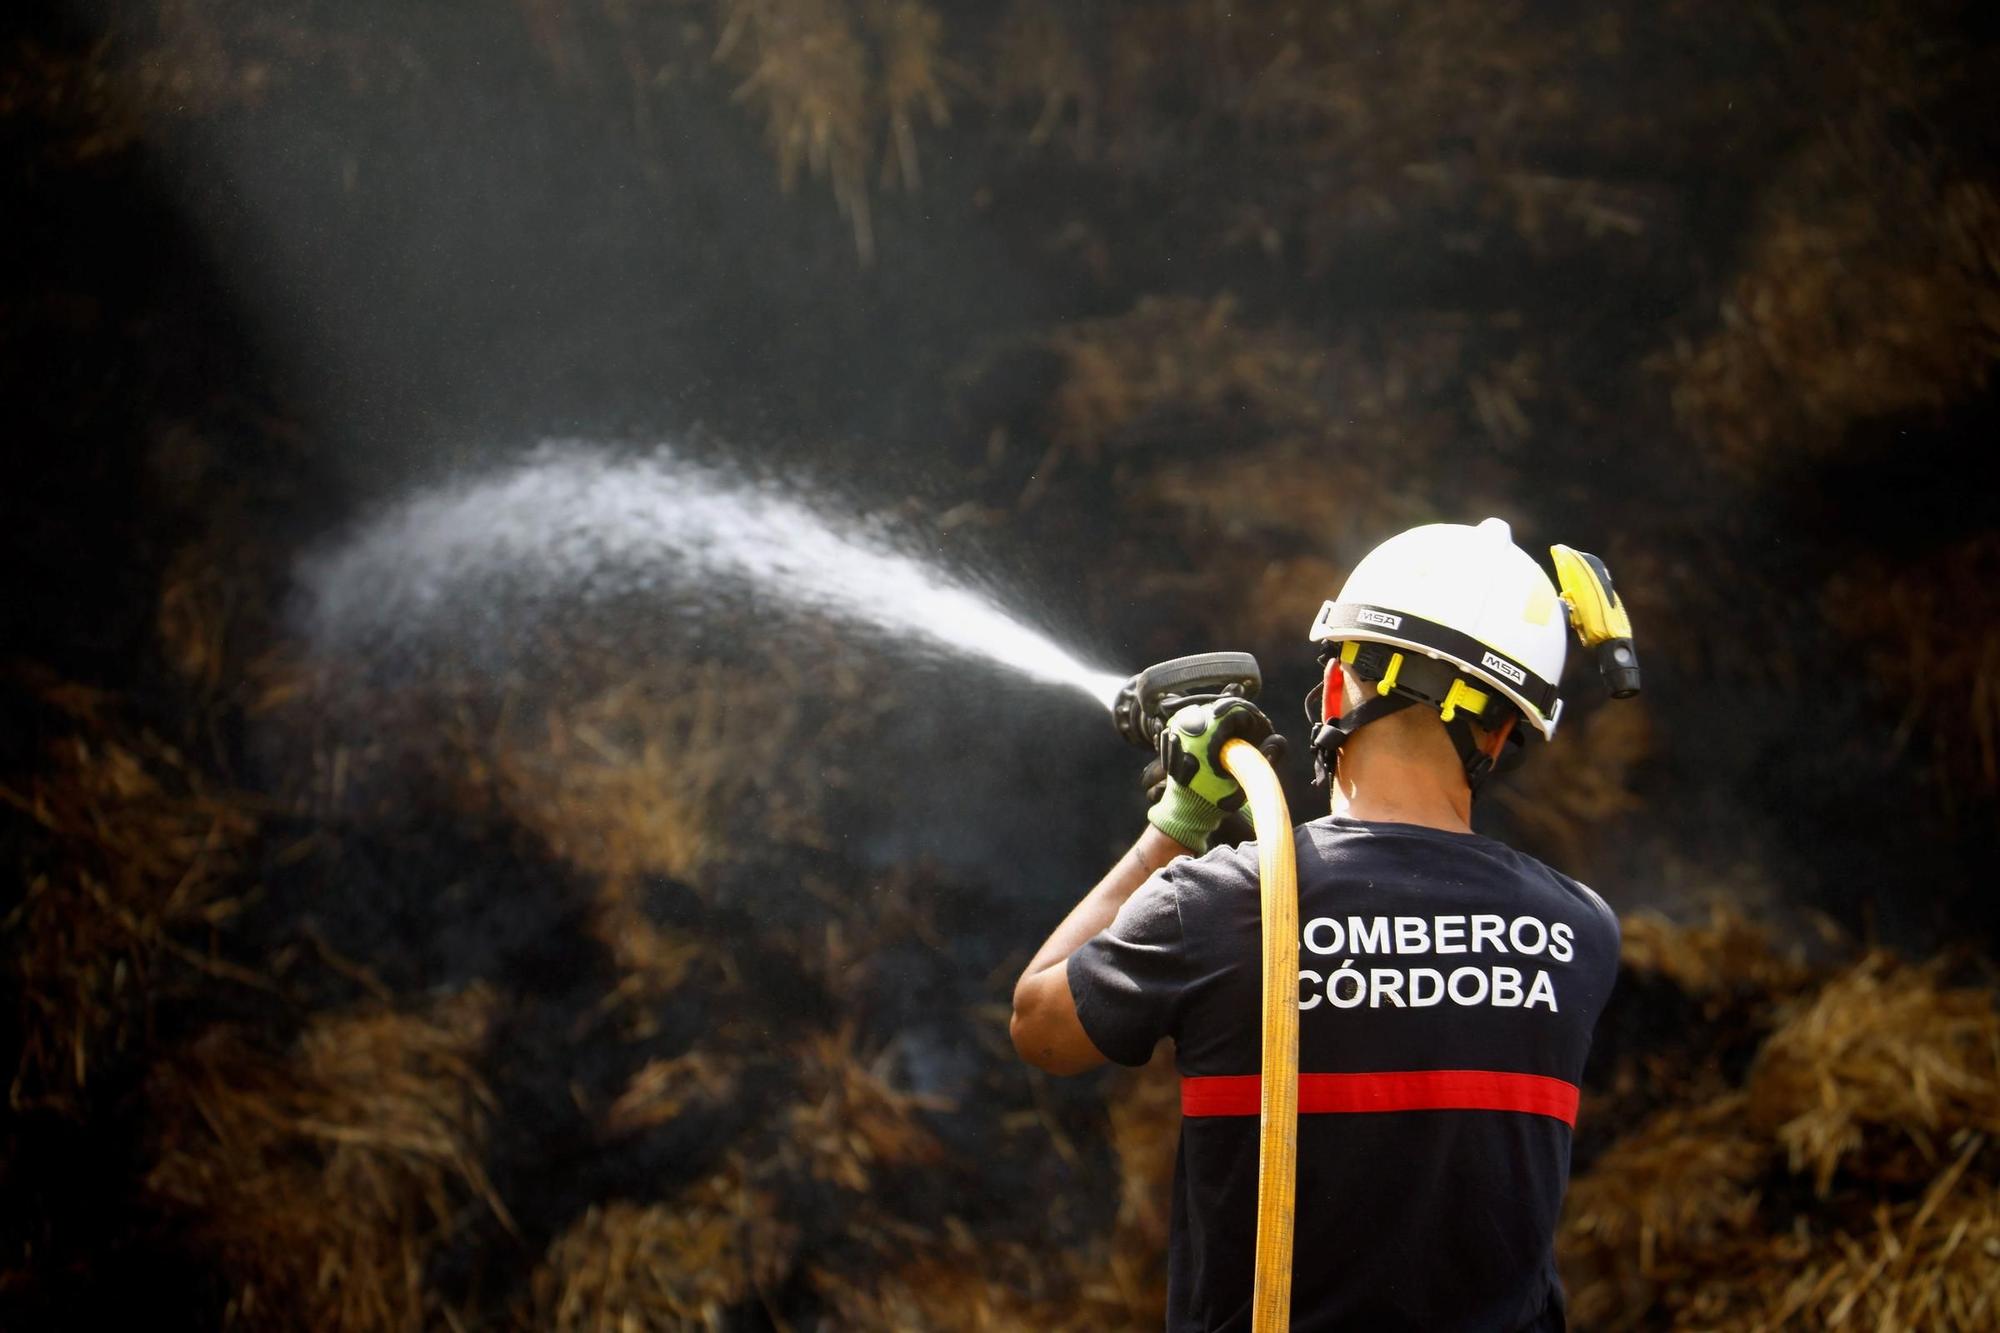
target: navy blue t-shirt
1448 988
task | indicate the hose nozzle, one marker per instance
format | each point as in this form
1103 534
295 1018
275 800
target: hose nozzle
1142 706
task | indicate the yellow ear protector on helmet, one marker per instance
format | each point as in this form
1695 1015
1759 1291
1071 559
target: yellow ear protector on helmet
1597 614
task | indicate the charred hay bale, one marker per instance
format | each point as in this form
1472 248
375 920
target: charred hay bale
1287 592
949 1293
642 778
215 624
904 1269
320 1179
850 1122
1178 356
1041 67
1144 1110
173 65
1880 1074
1871 288
681 1264
1289 512
1157 92
1694 1002
1277 457
1923 1264
648 782
1179 377
1928 631
815 1203
839 86
1322 435
1567 793
1658 1210
806 66
1927 1264
1726 960
663 1089
949 1279
193 619
852 949
132 854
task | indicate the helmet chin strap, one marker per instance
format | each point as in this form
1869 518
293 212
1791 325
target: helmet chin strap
1478 760
1335 727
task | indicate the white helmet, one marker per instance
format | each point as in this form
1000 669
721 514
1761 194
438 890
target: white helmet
1463 596
1454 618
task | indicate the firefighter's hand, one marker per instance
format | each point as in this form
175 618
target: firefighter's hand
1199 792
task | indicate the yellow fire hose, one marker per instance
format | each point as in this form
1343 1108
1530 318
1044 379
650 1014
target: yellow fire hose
1278 1115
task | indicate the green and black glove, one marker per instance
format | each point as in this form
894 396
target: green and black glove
1199 792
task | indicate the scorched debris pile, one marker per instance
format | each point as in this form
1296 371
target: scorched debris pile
399 990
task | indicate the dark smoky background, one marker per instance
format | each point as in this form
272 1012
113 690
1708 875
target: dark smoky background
651 973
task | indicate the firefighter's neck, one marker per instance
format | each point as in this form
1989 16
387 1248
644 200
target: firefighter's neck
1403 770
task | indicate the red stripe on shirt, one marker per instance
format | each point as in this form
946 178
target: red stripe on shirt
1411 1090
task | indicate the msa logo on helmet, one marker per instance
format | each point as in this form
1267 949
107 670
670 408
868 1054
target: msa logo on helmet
1379 619
1494 662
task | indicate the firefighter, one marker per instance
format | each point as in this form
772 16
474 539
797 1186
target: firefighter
1448 984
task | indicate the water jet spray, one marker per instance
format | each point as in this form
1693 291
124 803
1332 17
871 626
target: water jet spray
574 524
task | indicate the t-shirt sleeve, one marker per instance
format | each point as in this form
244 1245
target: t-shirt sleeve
1128 978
